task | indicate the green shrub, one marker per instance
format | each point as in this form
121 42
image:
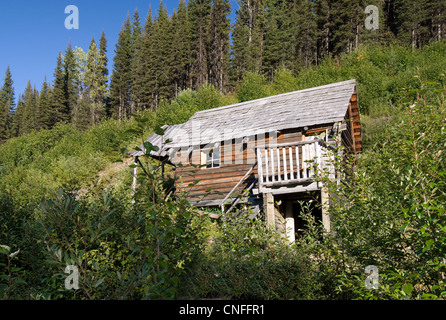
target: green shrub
245 259
253 86
391 212
283 81
187 104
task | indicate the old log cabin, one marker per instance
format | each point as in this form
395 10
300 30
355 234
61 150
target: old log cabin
261 149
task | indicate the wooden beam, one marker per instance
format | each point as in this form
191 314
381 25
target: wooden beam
292 189
297 143
268 204
135 173
289 221
325 207
288 182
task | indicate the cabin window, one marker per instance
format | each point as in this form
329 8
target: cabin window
211 158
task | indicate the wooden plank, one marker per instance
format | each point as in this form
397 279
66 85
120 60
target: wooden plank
313 186
190 176
190 170
297 162
297 143
238 154
260 167
269 208
285 174
290 151
311 157
278 165
217 181
288 140
205 185
266 166
351 124
289 182
272 165
318 156
215 193
223 188
214 182
304 164
214 196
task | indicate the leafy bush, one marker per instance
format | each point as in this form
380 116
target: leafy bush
253 86
245 259
283 81
187 103
391 212
135 245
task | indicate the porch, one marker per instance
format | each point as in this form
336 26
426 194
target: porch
290 167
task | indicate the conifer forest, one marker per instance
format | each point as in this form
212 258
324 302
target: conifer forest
66 194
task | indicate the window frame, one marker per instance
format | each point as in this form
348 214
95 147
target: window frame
210 159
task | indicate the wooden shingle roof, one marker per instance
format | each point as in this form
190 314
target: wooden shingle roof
314 106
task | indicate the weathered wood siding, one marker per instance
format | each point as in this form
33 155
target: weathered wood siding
223 179
351 137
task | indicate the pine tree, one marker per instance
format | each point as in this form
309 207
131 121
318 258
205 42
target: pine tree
142 77
324 28
82 116
137 31
81 60
104 75
248 34
340 36
239 49
199 13
412 22
384 35
180 60
135 44
44 120
59 106
121 77
95 82
28 121
4 132
71 91
103 56
219 43
160 58
304 33
17 120
7 104
278 50
437 9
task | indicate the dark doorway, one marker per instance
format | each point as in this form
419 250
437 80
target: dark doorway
292 209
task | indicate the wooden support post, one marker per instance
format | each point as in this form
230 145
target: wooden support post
289 218
325 206
135 174
268 205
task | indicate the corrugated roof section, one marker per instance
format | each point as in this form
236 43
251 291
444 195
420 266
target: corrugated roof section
314 106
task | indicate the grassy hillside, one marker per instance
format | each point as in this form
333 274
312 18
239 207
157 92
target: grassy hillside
401 175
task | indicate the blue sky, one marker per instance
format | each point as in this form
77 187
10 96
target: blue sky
33 32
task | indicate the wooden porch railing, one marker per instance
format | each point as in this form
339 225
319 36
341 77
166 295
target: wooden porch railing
284 164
